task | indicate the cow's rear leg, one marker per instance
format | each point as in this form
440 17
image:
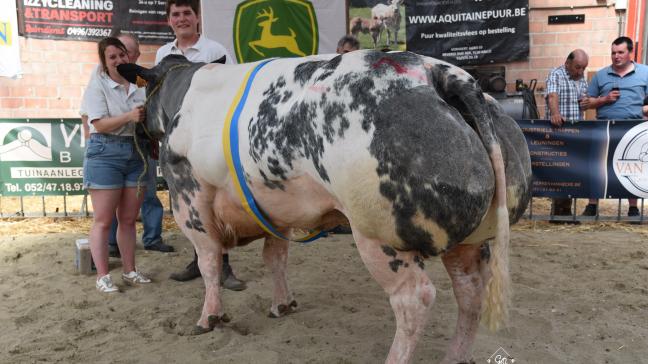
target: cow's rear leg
275 257
468 268
192 219
411 294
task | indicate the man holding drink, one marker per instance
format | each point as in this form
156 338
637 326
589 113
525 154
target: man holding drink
617 92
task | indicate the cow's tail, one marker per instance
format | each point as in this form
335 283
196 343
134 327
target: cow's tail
497 297
498 293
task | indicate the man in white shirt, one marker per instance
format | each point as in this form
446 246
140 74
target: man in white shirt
183 17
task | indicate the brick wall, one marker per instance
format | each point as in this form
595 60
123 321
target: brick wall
55 74
57 71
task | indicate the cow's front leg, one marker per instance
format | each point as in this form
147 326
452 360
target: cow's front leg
469 272
193 216
411 293
275 257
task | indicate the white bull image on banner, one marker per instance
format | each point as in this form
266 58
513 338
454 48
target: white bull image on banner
406 148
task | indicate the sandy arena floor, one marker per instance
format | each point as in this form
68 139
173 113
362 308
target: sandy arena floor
580 297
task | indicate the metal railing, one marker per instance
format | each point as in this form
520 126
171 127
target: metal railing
18 206
538 210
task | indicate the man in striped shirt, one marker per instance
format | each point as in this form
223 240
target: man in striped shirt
566 98
567 88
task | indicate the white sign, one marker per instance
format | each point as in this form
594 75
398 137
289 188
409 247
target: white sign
630 161
9 44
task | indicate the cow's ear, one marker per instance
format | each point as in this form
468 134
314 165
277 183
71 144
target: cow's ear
220 60
130 71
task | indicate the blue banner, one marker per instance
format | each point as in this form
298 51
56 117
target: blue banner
588 159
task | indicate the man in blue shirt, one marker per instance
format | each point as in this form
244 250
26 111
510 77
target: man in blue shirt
617 92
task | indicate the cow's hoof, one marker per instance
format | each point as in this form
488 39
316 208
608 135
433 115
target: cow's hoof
283 310
216 321
213 322
199 330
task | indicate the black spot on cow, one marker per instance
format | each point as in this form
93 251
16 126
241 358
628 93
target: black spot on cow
276 168
305 72
178 174
272 184
419 261
432 164
286 95
395 264
389 251
194 221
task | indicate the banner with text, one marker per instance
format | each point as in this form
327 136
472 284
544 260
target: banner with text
593 159
468 32
94 20
41 157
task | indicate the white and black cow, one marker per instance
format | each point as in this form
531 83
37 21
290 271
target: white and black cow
405 147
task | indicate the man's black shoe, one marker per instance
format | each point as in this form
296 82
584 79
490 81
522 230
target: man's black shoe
590 210
633 211
160 247
189 273
229 281
113 251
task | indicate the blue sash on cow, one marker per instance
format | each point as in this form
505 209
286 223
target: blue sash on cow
231 149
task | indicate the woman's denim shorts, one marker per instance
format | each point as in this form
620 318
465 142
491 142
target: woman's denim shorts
112 162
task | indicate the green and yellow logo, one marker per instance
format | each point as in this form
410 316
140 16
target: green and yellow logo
274 28
5 33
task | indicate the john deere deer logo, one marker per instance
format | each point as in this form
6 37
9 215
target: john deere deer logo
274 28
269 40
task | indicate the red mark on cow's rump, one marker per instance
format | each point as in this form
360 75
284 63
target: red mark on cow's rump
391 62
411 72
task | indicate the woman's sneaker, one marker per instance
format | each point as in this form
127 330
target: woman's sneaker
105 284
134 277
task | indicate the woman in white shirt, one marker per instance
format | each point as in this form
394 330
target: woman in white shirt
112 165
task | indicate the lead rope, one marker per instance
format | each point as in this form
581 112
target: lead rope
146 131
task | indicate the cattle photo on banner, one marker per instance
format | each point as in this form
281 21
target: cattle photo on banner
258 29
41 157
469 32
94 19
378 24
593 159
